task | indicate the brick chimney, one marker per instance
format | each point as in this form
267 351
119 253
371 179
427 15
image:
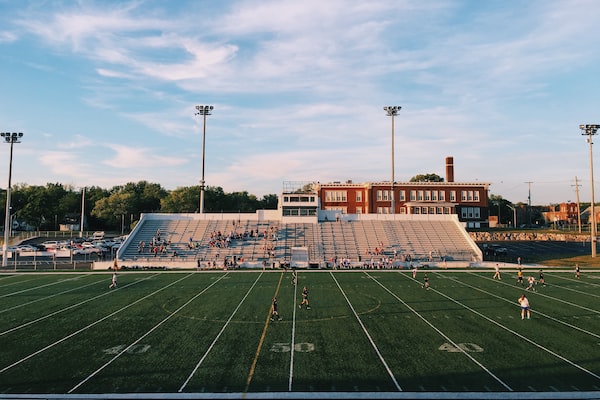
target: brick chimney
449 169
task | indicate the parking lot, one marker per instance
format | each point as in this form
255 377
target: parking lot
529 250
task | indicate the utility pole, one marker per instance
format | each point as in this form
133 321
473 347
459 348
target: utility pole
529 202
578 205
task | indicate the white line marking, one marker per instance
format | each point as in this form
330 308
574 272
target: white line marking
536 311
75 333
68 308
218 335
387 368
519 335
143 336
483 367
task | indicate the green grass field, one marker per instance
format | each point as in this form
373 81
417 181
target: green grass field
205 334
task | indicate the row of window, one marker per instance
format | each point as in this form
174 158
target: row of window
465 212
414 195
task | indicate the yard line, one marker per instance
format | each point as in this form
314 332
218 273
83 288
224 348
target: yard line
219 335
519 335
293 339
587 283
41 286
48 297
387 368
442 334
262 338
513 303
85 327
68 308
151 330
545 295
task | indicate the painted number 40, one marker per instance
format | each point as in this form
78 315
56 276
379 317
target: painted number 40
459 347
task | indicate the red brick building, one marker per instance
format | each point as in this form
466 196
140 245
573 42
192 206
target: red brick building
469 200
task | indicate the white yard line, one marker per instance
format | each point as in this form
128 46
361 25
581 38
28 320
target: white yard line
519 335
41 286
82 329
48 297
442 334
596 335
537 292
293 339
147 333
67 308
218 335
387 368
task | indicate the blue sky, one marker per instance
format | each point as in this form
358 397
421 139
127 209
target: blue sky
105 92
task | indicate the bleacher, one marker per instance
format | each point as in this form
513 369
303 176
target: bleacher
185 237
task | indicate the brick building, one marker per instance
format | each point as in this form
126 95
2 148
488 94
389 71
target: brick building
469 200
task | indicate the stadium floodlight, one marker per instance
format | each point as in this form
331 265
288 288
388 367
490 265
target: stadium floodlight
204 111
590 130
392 111
11 138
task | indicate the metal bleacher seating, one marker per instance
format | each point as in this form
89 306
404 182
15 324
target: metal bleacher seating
257 241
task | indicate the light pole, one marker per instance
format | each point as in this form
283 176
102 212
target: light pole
392 111
514 215
10 138
82 212
590 130
204 111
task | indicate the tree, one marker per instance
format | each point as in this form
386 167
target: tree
427 178
181 200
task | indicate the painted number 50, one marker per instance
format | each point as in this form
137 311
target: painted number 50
286 347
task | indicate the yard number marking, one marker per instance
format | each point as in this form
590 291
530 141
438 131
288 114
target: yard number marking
468 347
136 349
280 347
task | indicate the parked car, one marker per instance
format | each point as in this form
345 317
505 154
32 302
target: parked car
496 250
87 250
26 248
50 244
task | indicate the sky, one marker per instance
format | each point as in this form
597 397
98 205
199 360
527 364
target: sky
105 93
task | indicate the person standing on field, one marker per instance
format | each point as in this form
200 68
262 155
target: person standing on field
113 283
497 272
304 298
524 303
274 311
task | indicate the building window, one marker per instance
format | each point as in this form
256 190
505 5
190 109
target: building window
453 195
434 196
470 213
420 195
359 196
442 195
476 196
402 196
427 195
335 196
359 210
413 195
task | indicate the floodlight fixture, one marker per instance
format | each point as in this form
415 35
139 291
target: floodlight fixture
203 110
392 111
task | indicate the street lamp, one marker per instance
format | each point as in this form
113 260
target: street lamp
589 131
204 111
392 111
11 138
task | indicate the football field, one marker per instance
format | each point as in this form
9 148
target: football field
368 333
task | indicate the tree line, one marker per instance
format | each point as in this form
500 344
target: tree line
47 207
